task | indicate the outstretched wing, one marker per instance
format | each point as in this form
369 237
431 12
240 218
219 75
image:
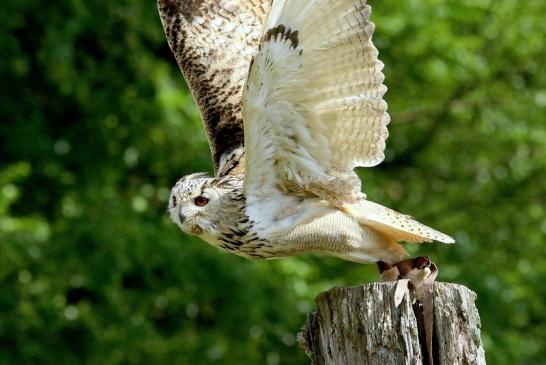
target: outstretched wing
313 107
213 42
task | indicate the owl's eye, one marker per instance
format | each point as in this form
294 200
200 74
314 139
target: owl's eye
201 201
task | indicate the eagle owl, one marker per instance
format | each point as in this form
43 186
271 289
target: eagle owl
291 95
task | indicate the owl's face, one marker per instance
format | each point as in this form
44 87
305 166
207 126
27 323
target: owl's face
193 203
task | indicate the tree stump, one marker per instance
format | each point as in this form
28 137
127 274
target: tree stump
361 325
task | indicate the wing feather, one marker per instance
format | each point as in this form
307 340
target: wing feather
313 107
399 227
213 42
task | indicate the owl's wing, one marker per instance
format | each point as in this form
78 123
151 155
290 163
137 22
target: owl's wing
313 106
213 42
313 110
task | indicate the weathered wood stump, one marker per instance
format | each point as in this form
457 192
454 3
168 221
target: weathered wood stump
361 325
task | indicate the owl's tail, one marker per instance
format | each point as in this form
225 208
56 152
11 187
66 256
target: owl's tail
397 226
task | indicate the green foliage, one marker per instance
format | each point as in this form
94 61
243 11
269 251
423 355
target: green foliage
96 125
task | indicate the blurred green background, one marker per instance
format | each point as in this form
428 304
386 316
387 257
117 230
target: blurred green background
97 125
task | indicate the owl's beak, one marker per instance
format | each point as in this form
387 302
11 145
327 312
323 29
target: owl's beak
182 218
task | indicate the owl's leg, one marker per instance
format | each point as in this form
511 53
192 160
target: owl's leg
387 271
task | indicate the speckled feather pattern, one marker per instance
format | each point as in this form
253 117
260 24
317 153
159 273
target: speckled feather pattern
213 42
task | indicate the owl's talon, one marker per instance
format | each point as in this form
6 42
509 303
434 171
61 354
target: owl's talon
422 262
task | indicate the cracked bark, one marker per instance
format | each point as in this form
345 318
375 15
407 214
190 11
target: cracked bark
361 325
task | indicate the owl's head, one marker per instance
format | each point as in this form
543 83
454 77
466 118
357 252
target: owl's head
192 204
204 206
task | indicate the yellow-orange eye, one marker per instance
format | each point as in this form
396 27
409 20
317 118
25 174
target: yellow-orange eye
201 201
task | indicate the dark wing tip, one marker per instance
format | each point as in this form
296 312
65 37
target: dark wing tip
284 33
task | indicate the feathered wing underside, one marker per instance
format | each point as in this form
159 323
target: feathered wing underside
313 110
313 105
213 42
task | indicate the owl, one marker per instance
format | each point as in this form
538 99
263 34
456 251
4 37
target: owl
291 96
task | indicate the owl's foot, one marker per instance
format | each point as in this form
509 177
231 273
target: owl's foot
420 271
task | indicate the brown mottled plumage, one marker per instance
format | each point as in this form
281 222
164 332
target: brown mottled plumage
213 42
